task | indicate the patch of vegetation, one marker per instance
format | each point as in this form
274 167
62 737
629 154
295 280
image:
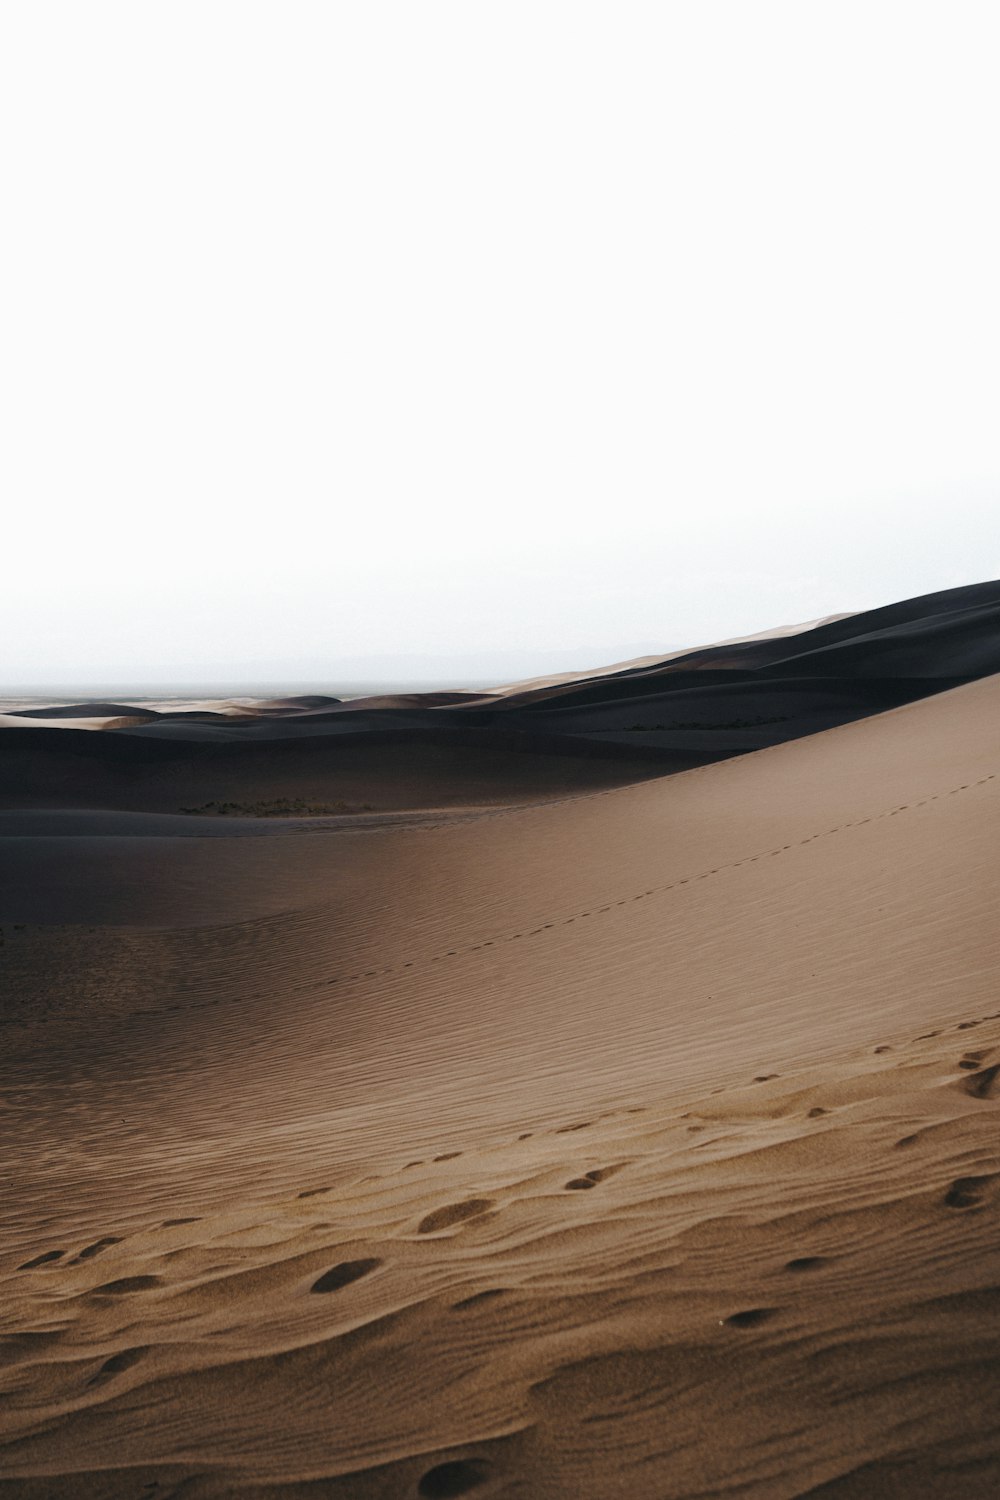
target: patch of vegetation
275 807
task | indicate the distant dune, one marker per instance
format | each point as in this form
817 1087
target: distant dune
573 1121
448 748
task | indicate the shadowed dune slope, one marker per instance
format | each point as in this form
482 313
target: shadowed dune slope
744 695
945 634
386 770
448 748
642 1142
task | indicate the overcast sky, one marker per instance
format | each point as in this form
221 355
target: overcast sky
332 330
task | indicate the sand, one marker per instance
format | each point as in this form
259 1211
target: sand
637 1141
521 743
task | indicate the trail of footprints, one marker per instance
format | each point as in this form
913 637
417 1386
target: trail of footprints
513 937
457 1477
658 890
966 1194
982 1082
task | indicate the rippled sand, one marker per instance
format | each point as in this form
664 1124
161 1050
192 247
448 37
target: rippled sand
642 1142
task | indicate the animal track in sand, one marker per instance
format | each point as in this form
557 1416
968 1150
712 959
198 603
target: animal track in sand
478 1298
751 1318
458 1477
668 886
968 1192
89 1251
454 1213
44 1259
126 1284
343 1274
594 1176
123 1360
985 1084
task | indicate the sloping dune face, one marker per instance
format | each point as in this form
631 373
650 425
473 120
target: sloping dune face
527 742
643 1142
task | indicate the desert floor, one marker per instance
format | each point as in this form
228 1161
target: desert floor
639 1141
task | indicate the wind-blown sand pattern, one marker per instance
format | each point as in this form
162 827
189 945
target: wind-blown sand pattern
639 1141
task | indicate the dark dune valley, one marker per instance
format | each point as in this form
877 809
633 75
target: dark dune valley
588 1087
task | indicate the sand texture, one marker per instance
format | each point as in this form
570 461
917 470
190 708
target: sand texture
636 1140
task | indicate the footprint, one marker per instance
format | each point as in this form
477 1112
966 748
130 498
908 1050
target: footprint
344 1274
984 1085
418 1163
89 1251
751 1318
807 1263
766 1077
124 1360
816 1111
129 1284
42 1260
968 1192
883 1049
455 1478
454 1213
478 1298
593 1177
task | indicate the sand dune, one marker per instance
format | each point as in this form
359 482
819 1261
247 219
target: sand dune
637 1141
406 750
52 768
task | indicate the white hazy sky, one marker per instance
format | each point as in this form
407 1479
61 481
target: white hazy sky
335 329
